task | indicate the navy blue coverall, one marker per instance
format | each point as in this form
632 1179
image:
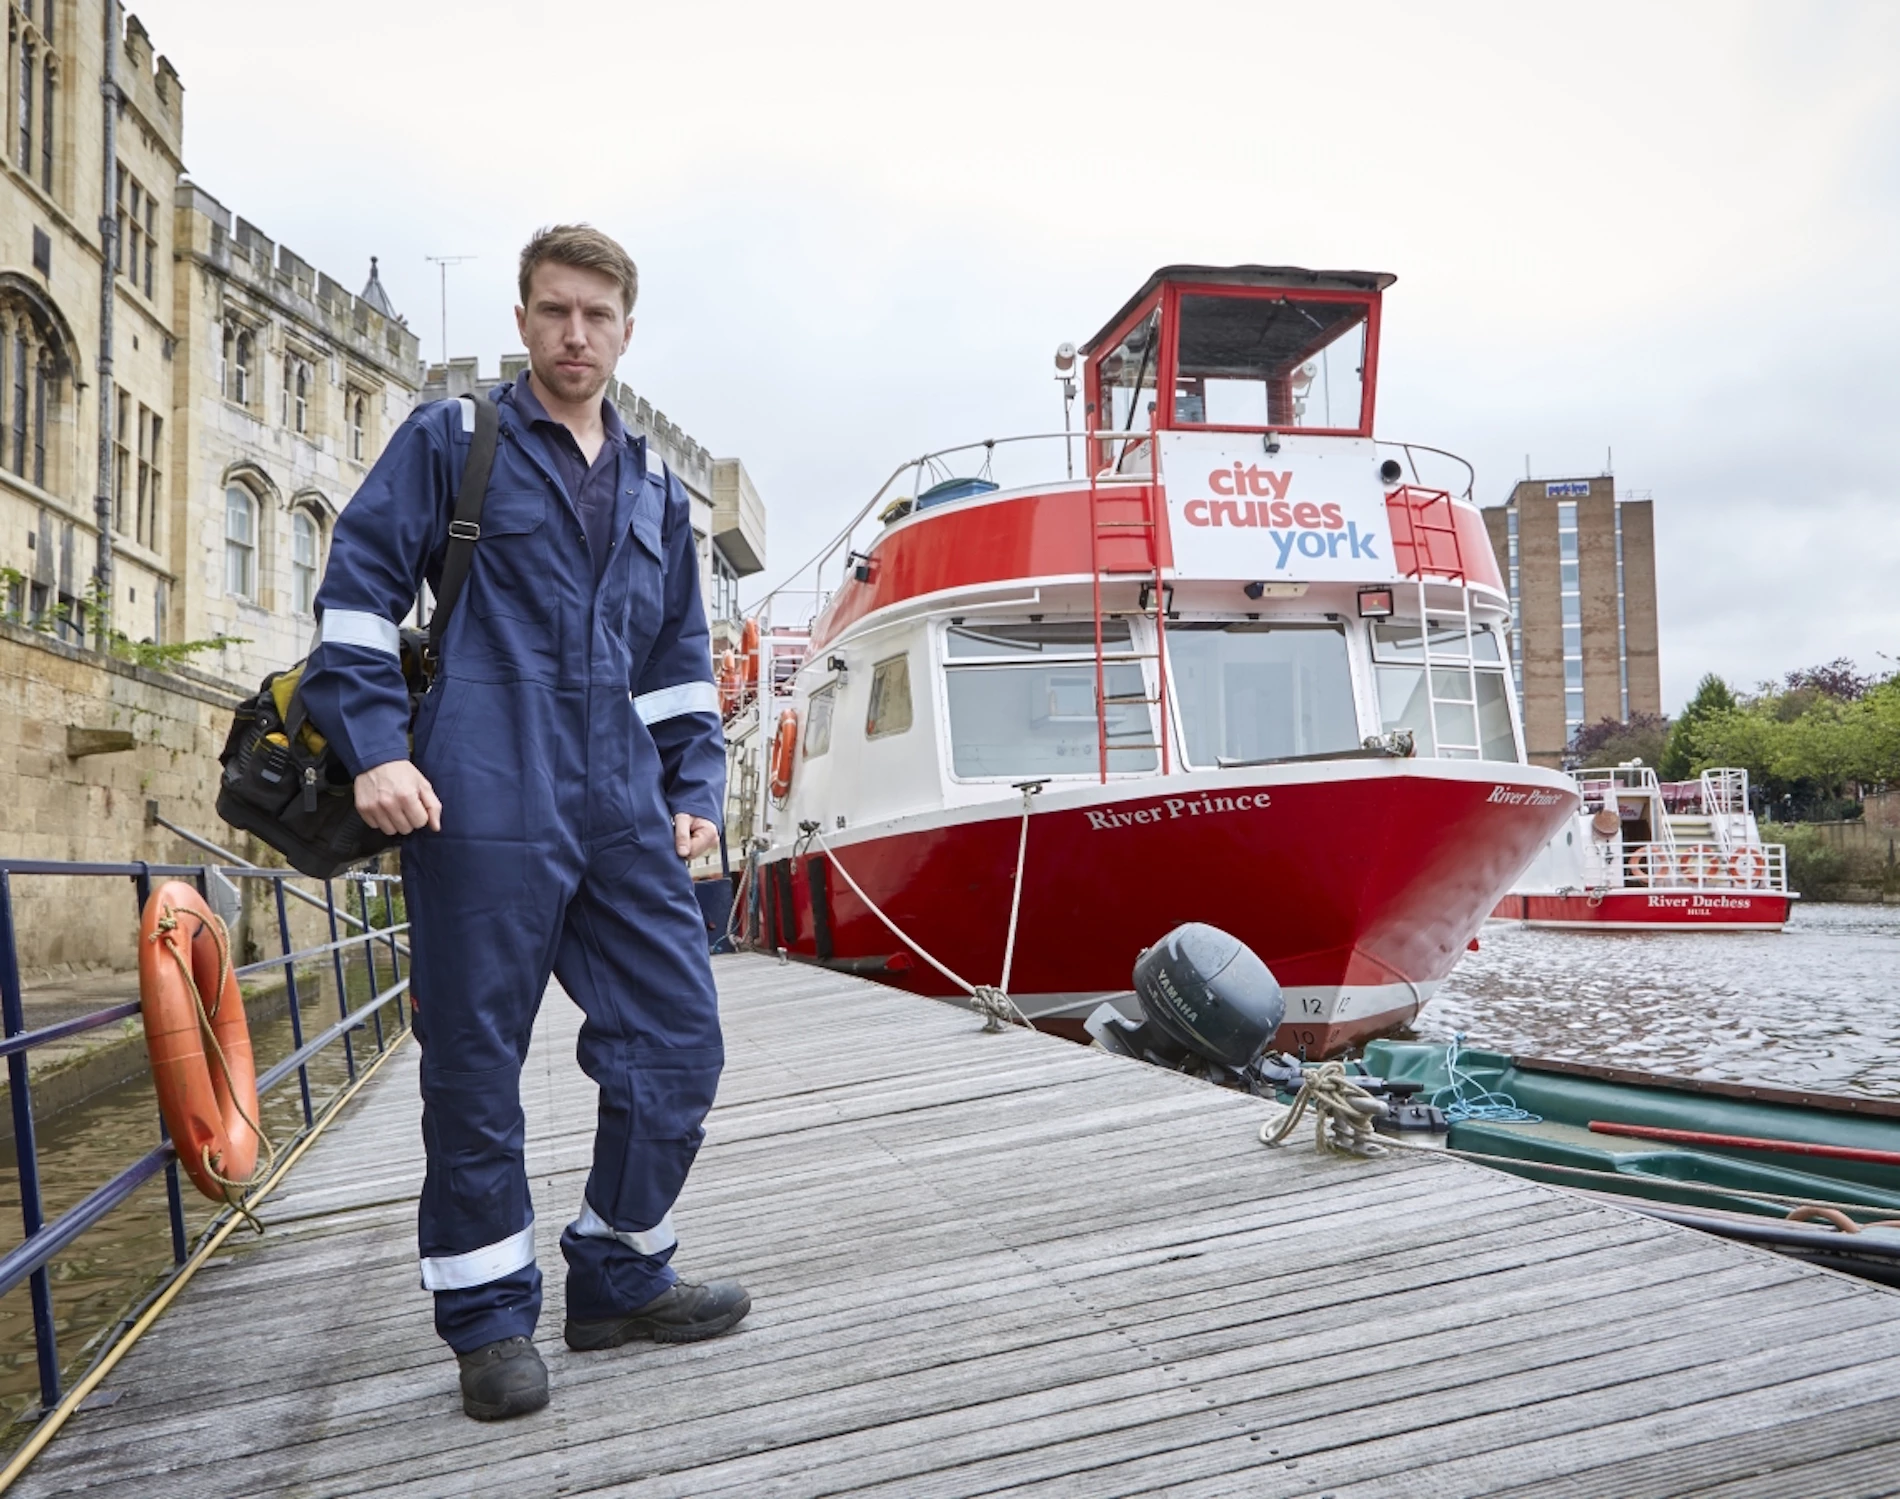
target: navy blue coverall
571 716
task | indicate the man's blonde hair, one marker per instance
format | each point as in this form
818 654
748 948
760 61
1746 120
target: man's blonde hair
585 246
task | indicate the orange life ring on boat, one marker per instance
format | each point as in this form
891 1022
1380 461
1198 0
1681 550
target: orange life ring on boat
729 683
1649 864
749 651
189 997
1749 868
784 744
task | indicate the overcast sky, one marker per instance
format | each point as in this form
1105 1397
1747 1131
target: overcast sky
1666 229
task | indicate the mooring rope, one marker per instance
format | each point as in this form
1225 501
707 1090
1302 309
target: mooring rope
166 928
1470 1099
1342 1113
991 1001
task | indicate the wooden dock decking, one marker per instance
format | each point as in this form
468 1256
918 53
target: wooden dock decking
989 1264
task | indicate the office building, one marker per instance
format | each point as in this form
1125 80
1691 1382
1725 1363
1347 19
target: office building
1581 567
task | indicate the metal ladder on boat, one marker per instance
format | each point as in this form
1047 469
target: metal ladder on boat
1419 505
1125 547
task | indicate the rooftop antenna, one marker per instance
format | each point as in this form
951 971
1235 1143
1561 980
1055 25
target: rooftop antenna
444 262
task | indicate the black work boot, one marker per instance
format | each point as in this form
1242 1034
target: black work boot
679 1314
503 1379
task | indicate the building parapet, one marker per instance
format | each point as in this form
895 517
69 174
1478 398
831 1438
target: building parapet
209 235
151 87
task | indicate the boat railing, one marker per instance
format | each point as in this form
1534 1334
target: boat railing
1695 866
376 931
1411 450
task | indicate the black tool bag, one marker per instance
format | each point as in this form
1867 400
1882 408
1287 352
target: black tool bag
283 781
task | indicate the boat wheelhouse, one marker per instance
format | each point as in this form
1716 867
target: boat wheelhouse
1645 854
1217 655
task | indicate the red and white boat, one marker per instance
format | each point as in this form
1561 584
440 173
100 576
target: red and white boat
1218 656
1649 855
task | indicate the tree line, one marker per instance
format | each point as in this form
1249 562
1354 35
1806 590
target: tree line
1813 744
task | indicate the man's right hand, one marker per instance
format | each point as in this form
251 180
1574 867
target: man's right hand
396 798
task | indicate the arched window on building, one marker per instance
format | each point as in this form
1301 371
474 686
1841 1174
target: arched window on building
33 369
359 411
240 541
306 542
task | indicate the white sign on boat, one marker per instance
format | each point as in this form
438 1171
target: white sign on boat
1315 509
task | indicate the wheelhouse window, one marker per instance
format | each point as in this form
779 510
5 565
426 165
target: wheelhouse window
1472 711
1250 692
1283 361
240 542
1023 701
889 712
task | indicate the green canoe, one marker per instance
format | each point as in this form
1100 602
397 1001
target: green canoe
1809 1173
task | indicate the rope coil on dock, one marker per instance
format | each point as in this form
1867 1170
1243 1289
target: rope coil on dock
1342 1113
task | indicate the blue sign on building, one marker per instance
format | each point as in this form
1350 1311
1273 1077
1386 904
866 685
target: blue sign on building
1568 489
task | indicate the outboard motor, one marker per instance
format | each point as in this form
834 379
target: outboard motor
1204 995
1211 1008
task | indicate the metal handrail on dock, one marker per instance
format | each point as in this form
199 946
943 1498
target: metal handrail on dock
42 1241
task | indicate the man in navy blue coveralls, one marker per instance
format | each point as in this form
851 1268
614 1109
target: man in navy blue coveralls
565 763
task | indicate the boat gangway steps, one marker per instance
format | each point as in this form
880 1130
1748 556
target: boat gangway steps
1006 1264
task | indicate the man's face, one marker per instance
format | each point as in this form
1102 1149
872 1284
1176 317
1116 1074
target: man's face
575 330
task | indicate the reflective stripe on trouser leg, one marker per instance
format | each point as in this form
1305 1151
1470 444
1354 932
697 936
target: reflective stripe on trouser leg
655 1240
460 1272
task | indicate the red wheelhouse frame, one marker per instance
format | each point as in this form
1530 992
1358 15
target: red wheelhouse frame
1171 293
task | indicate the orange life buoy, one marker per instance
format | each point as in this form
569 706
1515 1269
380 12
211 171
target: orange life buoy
1649 864
1749 868
784 743
729 683
749 651
189 997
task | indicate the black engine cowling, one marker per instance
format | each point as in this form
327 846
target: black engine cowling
1209 992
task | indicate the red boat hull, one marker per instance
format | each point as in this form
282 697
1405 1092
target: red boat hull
1652 910
1360 883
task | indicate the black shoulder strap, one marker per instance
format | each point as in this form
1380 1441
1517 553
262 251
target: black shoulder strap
466 529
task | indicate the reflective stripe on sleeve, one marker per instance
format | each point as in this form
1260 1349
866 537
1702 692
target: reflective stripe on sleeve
357 627
655 1240
466 404
458 1272
670 702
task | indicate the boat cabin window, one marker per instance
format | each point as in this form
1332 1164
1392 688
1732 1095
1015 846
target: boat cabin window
1249 691
1283 361
1470 730
1022 699
1130 375
818 721
889 712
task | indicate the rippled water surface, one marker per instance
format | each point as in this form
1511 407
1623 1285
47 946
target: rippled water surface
1814 1006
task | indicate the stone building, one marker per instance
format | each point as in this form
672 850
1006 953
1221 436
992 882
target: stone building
285 388
249 391
53 191
1581 567
728 515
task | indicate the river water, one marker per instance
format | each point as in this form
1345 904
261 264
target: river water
1816 1006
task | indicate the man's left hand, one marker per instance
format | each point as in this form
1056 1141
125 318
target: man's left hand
693 836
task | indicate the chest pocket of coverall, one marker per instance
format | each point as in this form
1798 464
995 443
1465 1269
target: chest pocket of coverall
513 574
644 578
